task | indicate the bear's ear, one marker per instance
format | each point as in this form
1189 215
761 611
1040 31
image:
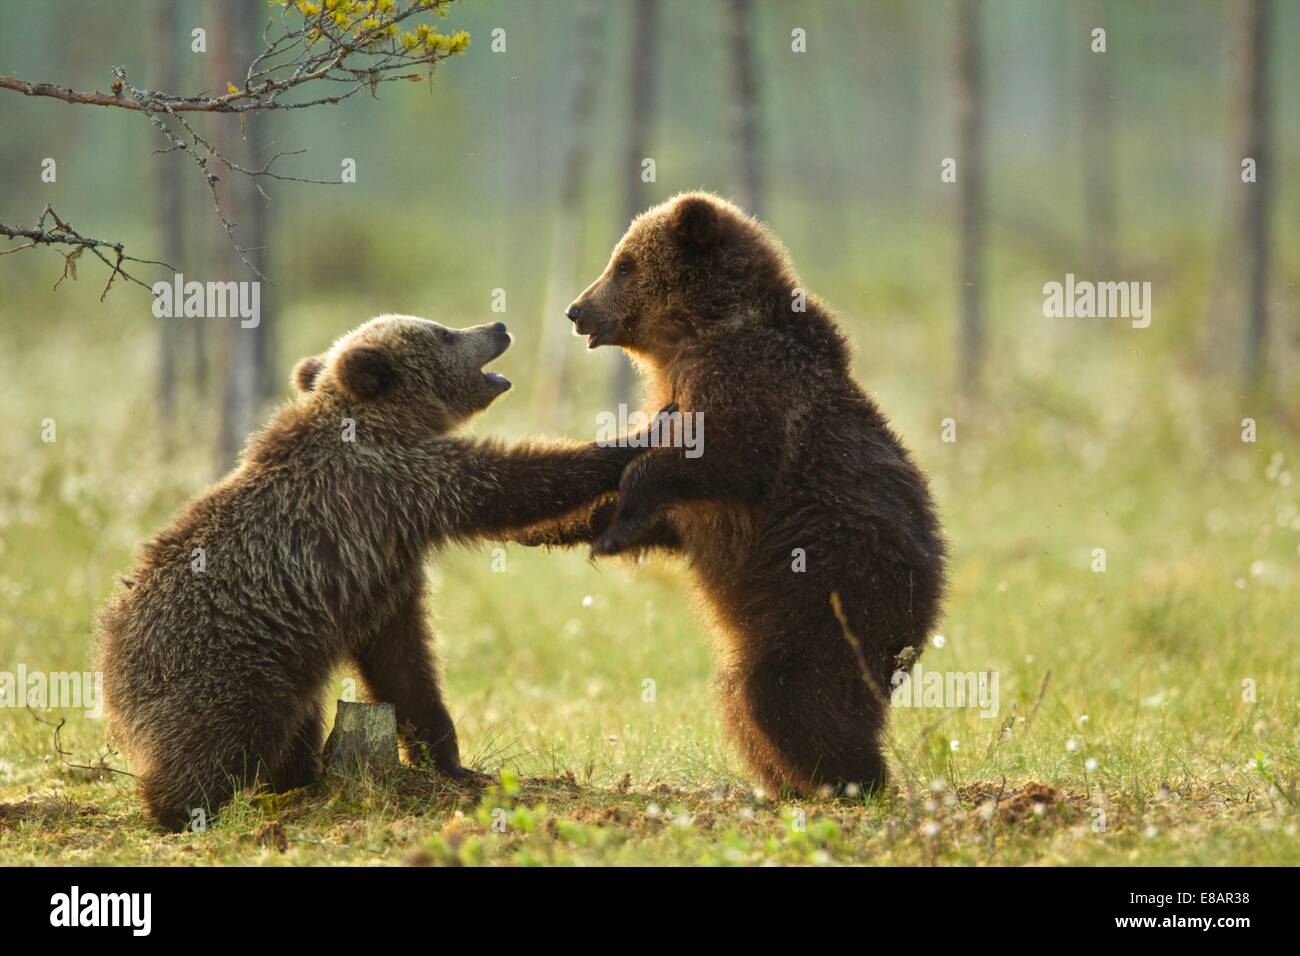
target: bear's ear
694 221
306 372
365 371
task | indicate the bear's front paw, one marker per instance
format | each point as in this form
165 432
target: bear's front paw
617 538
465 775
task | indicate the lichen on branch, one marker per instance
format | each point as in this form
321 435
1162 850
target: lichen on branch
316 53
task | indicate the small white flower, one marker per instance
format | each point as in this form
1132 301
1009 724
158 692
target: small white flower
1090 764
930 828
954 745
938 640
1072 745
587 600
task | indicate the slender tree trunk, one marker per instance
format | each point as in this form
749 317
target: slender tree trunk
970 182
197 333
227 63
169 223
1257 143
267 380
548 382
1099 151
640 114
746 119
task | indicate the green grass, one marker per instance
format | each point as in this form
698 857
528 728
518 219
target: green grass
1122 735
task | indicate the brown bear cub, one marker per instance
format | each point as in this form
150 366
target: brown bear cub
802 499
216 654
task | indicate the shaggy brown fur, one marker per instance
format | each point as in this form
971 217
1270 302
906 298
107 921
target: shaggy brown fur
313 550
797 459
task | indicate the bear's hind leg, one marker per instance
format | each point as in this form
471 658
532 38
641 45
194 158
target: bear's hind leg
179 798
301 766
203 762
806 722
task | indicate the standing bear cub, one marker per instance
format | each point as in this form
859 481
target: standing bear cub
216 654
803 507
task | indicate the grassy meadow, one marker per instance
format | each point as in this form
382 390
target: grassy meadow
1148 714
1124 562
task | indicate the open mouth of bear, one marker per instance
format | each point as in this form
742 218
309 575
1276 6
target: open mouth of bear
495 379
600 336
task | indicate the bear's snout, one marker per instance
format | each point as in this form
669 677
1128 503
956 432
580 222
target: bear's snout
588 322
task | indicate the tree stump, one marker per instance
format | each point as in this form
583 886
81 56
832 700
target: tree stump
364 739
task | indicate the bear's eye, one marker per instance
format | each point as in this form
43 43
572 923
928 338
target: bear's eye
623 266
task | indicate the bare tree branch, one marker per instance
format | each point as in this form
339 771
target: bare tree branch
356 43
63 234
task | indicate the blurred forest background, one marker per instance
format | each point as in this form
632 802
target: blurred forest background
518 170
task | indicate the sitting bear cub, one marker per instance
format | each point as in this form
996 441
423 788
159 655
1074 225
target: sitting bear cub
216 653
